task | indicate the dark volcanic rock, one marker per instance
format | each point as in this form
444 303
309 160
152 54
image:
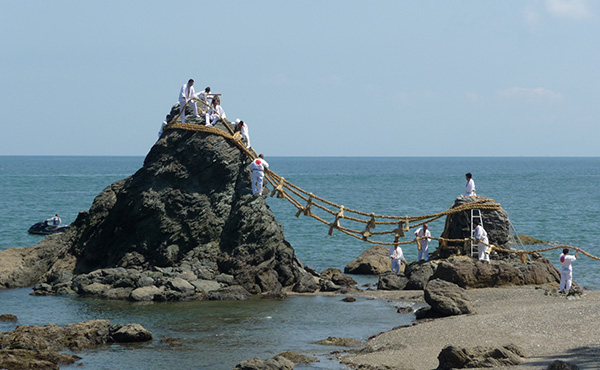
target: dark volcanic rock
130 333
275 363
232 293
561 365
306 284
391 281
447 299
373 261
452 357
187 212
469 273
458 226
419 273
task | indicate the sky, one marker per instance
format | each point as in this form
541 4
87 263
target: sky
327 78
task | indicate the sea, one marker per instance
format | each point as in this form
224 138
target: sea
549 198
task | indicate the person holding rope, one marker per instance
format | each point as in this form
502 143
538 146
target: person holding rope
185 95
243 129
258 167
423 244
470 186
215 113
397 257
481 237
566 270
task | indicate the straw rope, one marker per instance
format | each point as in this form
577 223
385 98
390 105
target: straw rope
298 196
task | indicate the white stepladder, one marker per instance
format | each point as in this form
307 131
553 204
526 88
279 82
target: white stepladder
475 214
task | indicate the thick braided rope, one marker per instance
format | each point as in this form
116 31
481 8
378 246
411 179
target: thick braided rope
273 179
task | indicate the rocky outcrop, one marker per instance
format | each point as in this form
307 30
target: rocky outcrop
275 363
36 347
342 342
452 357
391 281
299 359
373 261
469 273
186 217
458 226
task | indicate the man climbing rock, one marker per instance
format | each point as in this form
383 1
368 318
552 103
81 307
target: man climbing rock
258 167
481 237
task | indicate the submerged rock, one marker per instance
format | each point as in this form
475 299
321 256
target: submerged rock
342 342
275 363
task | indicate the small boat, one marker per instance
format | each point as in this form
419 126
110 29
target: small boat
42 228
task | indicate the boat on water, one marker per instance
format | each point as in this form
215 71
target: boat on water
42 228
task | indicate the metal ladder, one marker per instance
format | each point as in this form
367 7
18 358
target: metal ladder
475 214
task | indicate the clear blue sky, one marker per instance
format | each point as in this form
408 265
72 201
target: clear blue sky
326 78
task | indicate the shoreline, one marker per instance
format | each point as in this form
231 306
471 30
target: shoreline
546 327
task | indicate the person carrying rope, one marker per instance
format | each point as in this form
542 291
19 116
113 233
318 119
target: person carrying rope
566 270
481 237
215 113
258 167
423 244
470 186
243 129
397 257
185 95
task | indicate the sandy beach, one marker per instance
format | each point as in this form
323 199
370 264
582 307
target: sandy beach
546 327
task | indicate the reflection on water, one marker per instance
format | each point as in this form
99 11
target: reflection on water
214 335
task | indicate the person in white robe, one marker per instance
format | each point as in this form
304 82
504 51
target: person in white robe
566 270
470 186
423 244
215 113
243 128
258 167
397 257
185 95
481 237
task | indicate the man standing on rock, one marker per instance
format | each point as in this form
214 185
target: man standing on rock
481 237
470 187
258 167
397 257
185 95
423 244
566 270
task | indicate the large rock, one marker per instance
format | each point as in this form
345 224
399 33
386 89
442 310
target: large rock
458 226
469 273
130 333
447 299
373 261
188 209
452 357
419 273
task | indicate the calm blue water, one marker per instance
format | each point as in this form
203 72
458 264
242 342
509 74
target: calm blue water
556 199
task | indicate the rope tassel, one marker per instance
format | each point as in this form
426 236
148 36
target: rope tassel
336 222
306 209
370 225
279 188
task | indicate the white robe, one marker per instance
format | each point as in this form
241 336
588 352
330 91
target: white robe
566 271
258 167
470 188
211 117
481 235
397 257
185 95
424 243
245 135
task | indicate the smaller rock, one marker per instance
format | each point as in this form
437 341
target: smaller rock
306 284
328 286
275 363
131 333
349 299
206 286
8 318
298 359
172 342
342 342
373 261
230 293
452 357
405 310
311 271
225 279
391 281
145 294
447 298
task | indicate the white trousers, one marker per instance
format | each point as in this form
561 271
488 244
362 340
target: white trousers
566 278
483 255
396 265
192 104
211 119
245 137
423 254
257 182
